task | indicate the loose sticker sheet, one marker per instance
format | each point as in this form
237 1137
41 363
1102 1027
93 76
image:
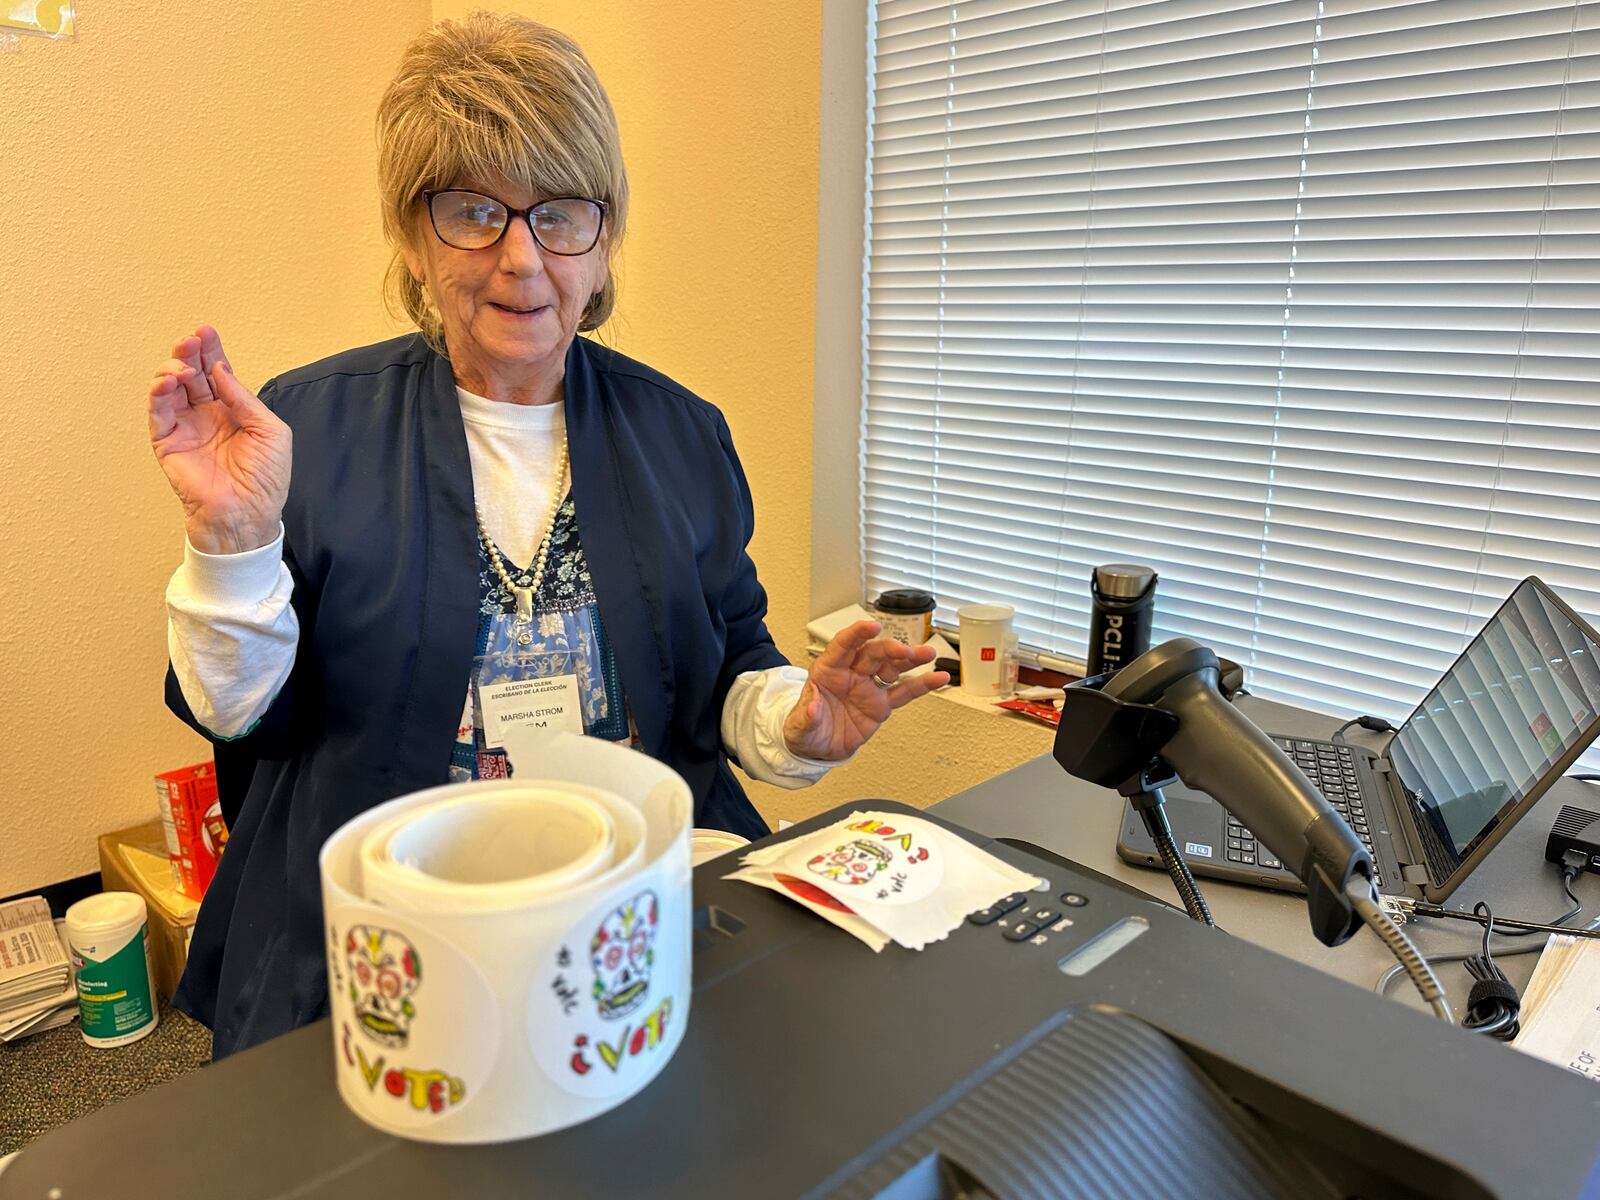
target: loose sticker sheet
818 901
894 876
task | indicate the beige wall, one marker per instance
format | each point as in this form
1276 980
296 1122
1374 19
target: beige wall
177 162
160 170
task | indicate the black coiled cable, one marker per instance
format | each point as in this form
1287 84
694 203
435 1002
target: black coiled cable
1494 1006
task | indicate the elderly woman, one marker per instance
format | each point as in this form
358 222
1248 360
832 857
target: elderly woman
491 501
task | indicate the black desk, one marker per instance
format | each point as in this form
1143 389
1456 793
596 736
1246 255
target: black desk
269 1122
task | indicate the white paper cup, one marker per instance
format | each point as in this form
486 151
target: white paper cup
985 640
706 844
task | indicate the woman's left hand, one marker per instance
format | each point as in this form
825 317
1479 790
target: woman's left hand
853 687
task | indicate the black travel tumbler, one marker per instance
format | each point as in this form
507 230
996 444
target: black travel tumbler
1124 608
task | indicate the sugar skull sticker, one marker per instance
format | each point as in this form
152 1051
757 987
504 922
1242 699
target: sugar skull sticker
853 865
885 863
601 1021
401 1067
622 952
384 972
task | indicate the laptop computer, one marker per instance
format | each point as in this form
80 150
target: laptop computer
1502 725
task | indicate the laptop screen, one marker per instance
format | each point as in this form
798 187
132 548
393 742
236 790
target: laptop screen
1523 696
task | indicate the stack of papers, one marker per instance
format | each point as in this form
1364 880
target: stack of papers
885 877
1560 1021
36 984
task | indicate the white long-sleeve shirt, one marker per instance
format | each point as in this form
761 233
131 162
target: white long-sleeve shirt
232 633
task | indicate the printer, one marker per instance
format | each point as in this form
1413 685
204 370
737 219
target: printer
1126 1052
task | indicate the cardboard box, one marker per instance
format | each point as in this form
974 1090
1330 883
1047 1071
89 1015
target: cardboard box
192 818
135 860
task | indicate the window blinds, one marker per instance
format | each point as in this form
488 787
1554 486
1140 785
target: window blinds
1295 301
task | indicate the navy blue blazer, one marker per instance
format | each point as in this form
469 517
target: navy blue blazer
380 539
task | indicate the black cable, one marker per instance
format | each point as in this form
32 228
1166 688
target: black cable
1155 824
1359 892
1521 928
1494 1006
1375 724
1388 977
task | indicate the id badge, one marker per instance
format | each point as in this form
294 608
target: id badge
522 689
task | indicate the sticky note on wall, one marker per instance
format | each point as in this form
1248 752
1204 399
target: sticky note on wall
53 18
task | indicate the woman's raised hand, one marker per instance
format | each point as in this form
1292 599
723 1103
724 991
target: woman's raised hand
224 452
852 688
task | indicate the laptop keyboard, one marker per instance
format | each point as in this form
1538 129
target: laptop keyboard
1332 768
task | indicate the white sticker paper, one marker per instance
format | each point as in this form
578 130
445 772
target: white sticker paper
904 877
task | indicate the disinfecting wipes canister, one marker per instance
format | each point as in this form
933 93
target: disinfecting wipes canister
111 955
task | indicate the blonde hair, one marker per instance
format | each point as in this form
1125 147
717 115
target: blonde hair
494 95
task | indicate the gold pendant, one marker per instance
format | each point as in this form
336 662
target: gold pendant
524 597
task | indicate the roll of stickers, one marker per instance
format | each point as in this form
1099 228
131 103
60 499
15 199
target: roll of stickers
510 957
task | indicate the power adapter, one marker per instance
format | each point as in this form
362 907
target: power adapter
1576 832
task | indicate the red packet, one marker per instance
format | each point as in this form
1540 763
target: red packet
1046 714
191 817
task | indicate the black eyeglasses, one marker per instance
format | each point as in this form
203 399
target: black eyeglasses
567 225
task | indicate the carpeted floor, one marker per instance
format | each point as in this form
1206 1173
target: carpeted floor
54 1077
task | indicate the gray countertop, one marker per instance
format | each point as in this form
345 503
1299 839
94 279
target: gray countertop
1040 803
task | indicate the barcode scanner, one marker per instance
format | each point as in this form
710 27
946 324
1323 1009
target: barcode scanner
1216 749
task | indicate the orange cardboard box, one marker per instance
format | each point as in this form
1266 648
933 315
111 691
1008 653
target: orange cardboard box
192 819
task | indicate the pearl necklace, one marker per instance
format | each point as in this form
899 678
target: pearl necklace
524 593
